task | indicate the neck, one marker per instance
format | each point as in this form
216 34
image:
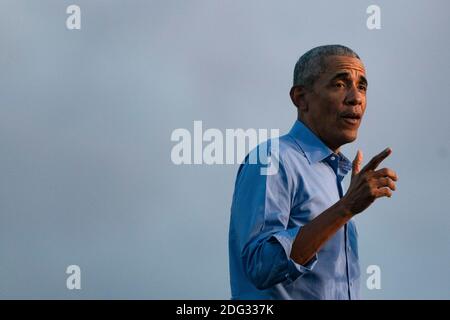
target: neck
335 149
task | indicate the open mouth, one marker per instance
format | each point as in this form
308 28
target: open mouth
351 118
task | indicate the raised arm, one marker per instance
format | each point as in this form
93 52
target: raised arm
365 187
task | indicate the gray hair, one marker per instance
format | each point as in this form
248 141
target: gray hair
311 64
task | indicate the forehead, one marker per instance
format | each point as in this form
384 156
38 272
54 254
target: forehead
338 64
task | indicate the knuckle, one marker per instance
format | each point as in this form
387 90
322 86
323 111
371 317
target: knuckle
394 174
382 182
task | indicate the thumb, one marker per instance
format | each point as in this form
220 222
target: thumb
356 165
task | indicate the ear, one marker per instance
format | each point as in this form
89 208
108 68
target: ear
297 94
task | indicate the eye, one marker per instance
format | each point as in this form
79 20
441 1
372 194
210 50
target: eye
362 87
339 84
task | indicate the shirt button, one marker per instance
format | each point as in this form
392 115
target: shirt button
333 158
351 284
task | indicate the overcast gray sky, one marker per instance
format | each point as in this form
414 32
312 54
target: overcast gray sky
86 118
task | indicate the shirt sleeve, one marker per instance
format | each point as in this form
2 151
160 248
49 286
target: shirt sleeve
262 204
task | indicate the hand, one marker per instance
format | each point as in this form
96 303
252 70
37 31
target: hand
367 184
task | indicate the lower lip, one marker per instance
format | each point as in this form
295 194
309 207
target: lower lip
351 121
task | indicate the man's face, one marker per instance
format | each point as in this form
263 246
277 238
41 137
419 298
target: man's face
335 106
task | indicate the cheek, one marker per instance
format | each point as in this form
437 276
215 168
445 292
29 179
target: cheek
364 107
326 108
332 105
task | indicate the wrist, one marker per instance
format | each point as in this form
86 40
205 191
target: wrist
344 209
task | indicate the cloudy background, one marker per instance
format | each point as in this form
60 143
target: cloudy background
86 118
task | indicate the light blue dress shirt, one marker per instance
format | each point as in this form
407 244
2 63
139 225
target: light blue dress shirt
267 213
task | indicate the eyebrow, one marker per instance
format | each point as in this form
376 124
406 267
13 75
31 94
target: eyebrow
346 75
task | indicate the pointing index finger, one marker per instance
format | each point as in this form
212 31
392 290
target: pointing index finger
376 160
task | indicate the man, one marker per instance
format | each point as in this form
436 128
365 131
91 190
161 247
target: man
291 233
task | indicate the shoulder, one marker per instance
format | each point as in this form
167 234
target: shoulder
282 153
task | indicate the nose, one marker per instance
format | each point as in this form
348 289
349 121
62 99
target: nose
354 96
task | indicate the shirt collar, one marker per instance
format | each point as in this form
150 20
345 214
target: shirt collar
314 148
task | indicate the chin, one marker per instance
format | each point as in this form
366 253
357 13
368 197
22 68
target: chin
348 137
